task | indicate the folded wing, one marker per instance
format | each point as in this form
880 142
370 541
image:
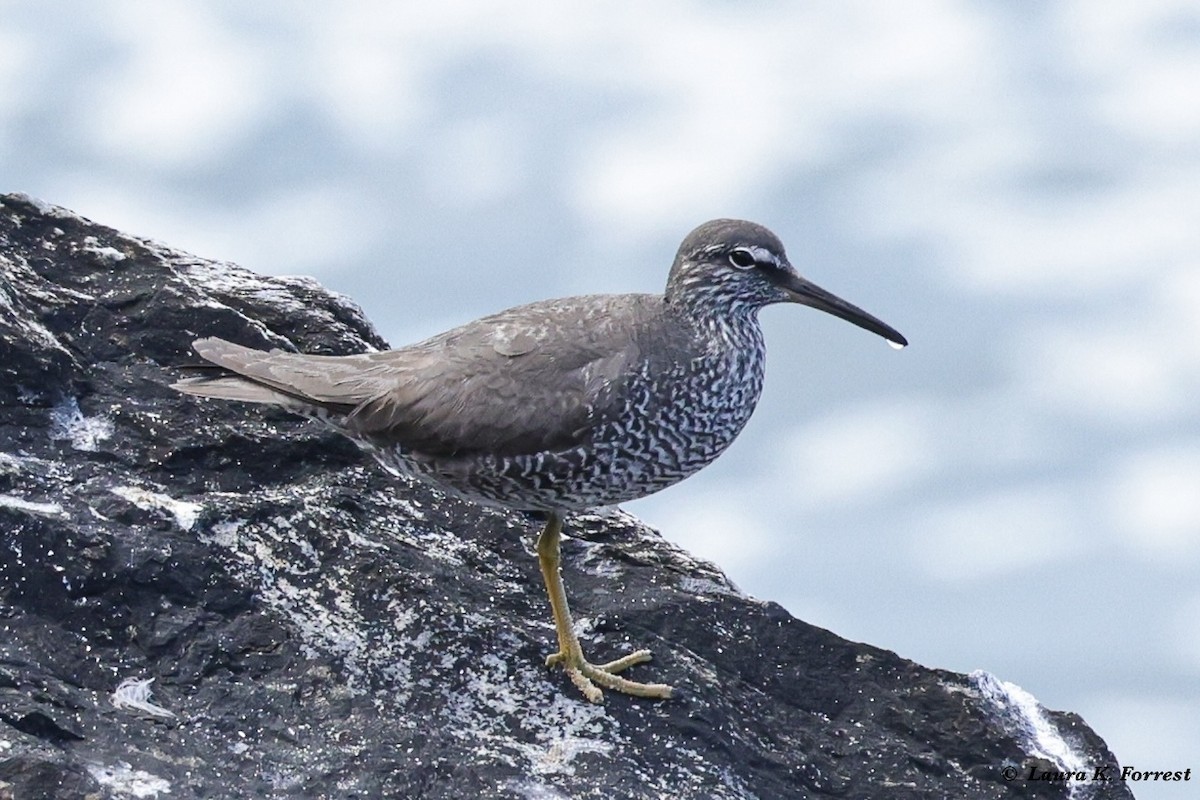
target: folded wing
533 379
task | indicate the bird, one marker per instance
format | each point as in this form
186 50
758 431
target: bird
558 406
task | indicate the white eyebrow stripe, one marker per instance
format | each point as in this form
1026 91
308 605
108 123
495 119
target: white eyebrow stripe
763 256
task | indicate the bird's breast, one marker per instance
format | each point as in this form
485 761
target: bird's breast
681 414
716 398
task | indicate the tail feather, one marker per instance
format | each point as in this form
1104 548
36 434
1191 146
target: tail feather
232 387
299 383
322 380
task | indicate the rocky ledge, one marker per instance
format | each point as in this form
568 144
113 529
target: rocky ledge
209 599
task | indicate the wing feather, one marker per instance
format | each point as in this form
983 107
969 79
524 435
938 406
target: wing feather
535 378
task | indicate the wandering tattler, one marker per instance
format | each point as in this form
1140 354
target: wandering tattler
561 405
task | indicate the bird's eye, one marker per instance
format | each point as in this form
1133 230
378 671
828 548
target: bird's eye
742 259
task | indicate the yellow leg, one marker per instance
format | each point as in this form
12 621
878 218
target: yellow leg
570 655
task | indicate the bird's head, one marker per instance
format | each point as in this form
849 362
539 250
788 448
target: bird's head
730 266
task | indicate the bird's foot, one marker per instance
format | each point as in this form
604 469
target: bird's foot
583 674
586 675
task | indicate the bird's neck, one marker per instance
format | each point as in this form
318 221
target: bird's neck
730 326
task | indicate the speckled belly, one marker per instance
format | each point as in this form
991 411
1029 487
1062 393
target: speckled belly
671 427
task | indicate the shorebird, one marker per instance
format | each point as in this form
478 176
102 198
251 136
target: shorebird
560 405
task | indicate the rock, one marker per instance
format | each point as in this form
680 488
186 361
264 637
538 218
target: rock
316 628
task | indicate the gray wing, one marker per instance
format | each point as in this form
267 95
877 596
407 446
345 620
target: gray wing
535 378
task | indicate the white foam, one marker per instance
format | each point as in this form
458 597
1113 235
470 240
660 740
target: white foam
45 509
125 781
135 693
44 208
110 254
529 790
1022 715
67 422
29 326
556 756
185 513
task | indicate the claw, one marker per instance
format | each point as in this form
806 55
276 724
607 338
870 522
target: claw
586 675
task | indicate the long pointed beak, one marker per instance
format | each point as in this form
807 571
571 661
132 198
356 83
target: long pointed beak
803 291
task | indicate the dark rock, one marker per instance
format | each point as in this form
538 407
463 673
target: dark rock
319 629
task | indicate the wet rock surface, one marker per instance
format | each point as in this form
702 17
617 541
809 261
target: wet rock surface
316 628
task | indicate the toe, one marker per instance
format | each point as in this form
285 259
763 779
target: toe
636 657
